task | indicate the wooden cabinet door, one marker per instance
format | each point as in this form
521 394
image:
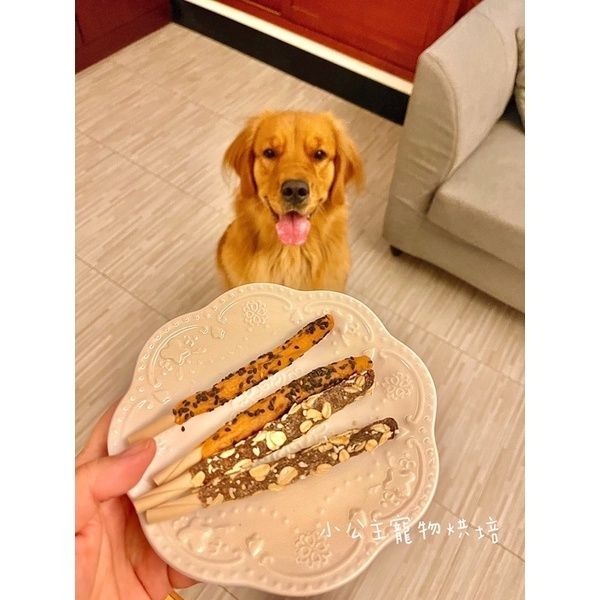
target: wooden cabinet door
78 38
273 5
98 18
396 31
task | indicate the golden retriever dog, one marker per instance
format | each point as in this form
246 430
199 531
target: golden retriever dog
291 216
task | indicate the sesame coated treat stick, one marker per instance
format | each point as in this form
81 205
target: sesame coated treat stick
265 410
241 380
275 476
291 425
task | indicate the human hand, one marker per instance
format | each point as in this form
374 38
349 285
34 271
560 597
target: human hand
113 558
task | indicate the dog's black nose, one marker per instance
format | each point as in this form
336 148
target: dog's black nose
294 191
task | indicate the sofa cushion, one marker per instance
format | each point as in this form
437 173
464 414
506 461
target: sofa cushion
412 232
482 202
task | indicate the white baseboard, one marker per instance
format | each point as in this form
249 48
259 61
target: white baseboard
289 37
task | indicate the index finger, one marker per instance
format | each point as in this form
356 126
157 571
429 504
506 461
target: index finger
96 445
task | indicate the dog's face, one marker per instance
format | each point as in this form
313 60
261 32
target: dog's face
296 164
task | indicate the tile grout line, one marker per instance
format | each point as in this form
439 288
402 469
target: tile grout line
441 339
456 556
148 79
146 170
97 162
163 87
111 59
485 483
229 592
450 566
122 288
521 558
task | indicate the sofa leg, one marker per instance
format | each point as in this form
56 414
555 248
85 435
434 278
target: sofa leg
395 251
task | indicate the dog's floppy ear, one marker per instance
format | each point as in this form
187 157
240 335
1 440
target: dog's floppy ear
240 157
348 164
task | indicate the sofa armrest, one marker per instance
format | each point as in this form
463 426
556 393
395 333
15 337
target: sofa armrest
462 85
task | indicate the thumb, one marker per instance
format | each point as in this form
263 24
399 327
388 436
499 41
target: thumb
109 477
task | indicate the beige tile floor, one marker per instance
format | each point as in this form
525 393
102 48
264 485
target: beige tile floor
153 121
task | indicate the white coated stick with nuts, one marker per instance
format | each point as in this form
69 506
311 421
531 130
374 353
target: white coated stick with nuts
275 476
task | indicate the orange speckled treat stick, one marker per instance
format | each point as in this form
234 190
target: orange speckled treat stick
241 380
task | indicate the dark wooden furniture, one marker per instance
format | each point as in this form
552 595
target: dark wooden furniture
388 34
105 26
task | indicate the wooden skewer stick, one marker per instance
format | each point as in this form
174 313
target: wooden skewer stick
241 380
173 509
179 466
154 428
165 492
268 409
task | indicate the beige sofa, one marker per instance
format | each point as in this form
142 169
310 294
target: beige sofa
457 195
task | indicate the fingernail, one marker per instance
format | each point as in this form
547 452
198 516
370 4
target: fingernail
138 447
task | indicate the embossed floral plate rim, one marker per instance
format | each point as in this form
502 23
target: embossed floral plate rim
387 348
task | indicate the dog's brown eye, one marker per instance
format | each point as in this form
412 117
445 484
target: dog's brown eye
320 154
269 153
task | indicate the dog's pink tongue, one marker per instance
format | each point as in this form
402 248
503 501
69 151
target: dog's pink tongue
292 229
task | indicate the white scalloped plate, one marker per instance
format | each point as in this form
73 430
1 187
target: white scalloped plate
275 541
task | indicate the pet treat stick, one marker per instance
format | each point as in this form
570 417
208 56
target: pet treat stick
275 476
291 425
241 380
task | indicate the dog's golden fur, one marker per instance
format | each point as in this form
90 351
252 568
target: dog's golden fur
250 250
